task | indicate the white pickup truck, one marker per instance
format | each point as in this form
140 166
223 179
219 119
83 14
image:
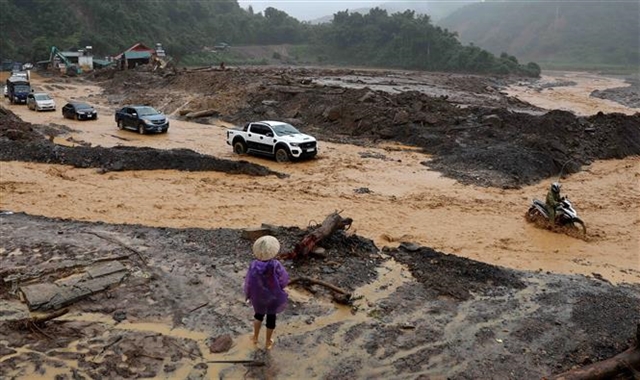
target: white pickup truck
273 138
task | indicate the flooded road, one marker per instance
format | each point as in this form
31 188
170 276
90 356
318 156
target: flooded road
405 202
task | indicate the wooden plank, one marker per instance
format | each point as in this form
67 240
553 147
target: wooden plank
105 268
52 296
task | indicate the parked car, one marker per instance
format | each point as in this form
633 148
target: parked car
40 101
221 46
143 119
79 111
273 138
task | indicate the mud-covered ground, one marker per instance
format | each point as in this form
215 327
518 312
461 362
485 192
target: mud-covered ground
443 316
627 95
418 313
476 134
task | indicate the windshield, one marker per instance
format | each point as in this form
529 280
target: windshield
21 88
42 97
83 107
146 111
284 129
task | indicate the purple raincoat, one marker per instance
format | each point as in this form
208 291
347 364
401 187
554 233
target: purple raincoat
264 286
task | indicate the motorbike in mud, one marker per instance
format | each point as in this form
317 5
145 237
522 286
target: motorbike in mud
566 215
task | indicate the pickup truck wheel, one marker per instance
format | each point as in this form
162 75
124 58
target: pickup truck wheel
141 129
120 124
282 155
239 147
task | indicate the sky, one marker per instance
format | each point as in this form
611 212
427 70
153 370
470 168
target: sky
307 10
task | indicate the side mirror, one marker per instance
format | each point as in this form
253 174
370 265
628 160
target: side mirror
269 134
134 114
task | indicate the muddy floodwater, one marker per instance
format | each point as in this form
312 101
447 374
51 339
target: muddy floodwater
406 202
570 91
385 188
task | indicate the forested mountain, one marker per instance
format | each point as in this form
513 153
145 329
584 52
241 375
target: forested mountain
401 40
30 27
582 33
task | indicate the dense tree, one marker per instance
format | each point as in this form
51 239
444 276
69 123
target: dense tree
403 40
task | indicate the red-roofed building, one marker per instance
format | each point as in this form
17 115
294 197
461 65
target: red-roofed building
138 54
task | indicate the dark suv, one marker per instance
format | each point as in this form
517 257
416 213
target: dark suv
143 119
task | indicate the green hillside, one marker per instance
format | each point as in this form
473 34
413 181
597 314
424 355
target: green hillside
554 33
186 28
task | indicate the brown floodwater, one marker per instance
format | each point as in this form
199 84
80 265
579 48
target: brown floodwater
573 98
407 202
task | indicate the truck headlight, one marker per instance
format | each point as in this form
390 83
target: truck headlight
294 144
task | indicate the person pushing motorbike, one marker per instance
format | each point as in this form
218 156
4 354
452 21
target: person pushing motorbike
553 200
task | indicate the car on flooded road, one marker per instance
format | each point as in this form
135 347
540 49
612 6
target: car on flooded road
40 101
143 119
278 139
79 111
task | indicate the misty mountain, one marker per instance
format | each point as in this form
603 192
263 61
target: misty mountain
558 32
436 10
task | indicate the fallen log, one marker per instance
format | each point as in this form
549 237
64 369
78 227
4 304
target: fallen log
344 297
624 365
319 282
38 319
205 113
332 223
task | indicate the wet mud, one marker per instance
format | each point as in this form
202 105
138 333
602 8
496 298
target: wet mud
420 310
474 142
20 141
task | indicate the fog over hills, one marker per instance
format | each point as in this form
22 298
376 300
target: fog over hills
322 11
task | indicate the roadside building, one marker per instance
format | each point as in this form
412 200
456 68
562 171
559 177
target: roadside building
139 54
136 55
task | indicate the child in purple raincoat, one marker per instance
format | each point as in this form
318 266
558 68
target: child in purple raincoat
264 286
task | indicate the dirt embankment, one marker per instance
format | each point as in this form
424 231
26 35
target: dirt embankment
449 316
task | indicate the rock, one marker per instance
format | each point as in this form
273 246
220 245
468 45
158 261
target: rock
269 102
119 316
332 113
368 97
220 344
492 119
198 372
411 247
387 133
401 117
255 233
